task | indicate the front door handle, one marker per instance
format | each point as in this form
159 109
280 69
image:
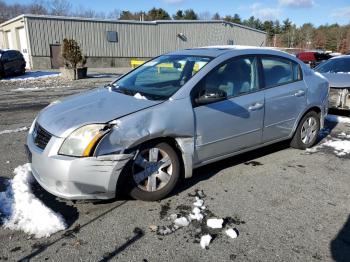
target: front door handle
256 106
300 93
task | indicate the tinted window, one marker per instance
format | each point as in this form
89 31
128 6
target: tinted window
5 56
338 65
279 71
236 77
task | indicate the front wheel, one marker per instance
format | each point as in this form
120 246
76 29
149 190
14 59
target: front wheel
307 131
154 172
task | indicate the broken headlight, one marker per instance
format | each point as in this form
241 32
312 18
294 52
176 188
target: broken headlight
83 140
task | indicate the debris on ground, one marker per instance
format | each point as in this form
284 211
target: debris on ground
202 224
181 222
215 222
232 233
20 209
205 241
153 228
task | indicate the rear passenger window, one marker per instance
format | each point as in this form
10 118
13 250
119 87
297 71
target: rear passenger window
279 71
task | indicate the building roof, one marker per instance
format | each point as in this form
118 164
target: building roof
128 21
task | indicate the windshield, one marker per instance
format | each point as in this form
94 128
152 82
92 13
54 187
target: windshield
161 77
338 65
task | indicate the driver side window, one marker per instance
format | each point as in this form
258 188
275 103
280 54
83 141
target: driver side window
235 77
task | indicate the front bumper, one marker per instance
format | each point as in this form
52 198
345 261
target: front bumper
72 177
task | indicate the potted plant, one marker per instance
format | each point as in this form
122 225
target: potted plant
74 61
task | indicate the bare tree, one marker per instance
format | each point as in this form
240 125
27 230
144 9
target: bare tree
114 14
60 7
37 7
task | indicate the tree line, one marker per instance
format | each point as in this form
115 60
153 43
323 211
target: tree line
284 33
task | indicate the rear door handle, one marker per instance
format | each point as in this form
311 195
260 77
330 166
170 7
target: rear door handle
256 106
300 93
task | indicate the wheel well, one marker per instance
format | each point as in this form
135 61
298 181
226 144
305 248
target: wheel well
172 142
315 108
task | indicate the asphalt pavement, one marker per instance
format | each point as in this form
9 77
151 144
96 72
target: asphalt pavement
286 204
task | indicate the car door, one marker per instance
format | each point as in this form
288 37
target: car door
235 122
285 96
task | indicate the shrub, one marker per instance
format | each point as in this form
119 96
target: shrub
72 54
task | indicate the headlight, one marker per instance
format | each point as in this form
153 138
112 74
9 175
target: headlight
82 141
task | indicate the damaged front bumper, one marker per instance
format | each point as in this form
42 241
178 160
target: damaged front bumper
339 98
72 177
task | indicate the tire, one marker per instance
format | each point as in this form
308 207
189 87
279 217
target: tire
307 131
23 71
148 177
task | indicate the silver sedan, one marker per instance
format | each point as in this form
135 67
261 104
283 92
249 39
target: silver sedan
179 111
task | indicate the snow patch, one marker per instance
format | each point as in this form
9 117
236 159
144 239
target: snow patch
338 119
23 211
215 222
21 89
139 96
8 131
205 241
33 75
341 147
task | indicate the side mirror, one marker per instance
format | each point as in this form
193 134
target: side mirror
211 96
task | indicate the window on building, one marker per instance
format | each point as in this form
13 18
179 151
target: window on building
112 36
230 42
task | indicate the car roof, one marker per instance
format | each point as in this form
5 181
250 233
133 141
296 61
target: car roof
215 51
341 56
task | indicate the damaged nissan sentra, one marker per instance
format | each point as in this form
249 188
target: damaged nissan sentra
154 125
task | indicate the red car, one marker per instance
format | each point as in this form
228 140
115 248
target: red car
313 58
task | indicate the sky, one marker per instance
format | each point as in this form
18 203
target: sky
299 11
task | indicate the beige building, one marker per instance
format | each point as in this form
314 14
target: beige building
111 43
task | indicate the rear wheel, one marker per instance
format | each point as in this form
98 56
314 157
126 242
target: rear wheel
154 172
23 70
307 131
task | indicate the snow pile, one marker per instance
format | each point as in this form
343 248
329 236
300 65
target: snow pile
139 96
21 210
8 131
338 119
33 75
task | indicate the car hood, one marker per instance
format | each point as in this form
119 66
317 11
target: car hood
95 106
338 80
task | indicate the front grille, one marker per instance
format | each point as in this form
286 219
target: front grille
41 136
